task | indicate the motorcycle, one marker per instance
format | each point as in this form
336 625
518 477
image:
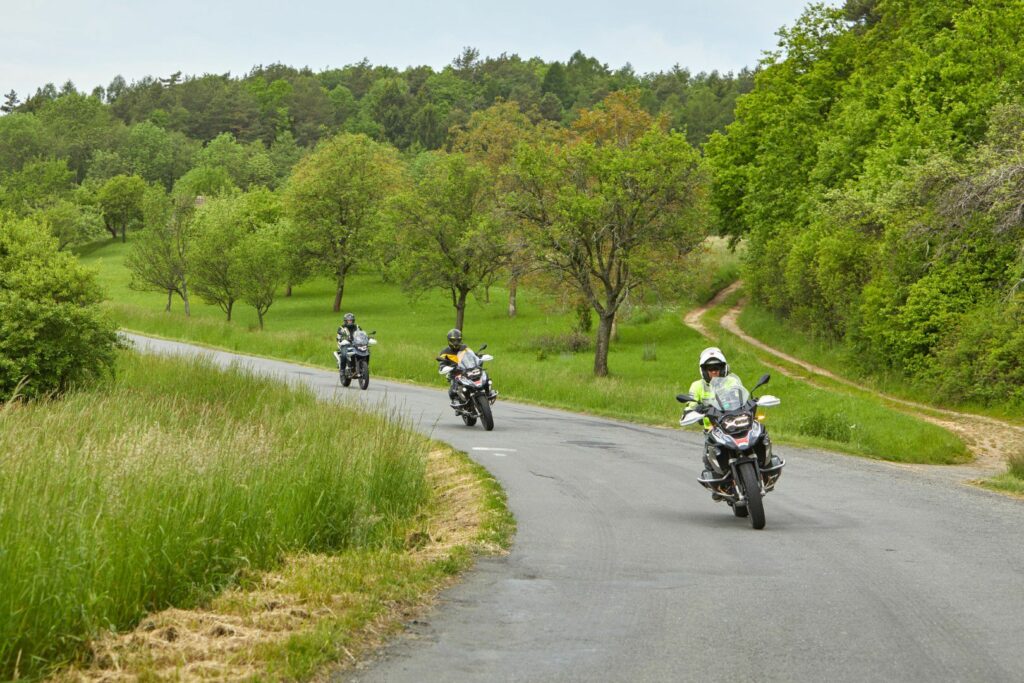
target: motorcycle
472 388
738 451
353 358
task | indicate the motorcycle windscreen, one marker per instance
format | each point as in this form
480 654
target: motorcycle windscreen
730 394
468 360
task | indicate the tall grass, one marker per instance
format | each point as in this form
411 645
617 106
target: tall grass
159 487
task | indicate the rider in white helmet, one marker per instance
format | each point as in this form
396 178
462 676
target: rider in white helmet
712 365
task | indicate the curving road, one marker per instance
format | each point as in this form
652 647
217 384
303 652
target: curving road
623 569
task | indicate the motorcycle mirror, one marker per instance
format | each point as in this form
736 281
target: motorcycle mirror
761 382
486 357
446 369
483 346
685 398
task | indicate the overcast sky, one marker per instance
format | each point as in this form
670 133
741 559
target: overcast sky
91 42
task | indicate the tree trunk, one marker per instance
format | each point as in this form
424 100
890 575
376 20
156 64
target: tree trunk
229 306
615 330
341 288
288 290
184 297
460 310
259 314
604 333
124 229
513 286
170 293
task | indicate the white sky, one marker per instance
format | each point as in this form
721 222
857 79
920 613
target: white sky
90 42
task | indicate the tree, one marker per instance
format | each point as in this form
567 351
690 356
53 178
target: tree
53 333
219 226
612 210
259 269
22 139
11 102
158 260
37 185
335 197
490 137
71 223
451 235
216 233
120 201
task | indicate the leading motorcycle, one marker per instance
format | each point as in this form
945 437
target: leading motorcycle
472 388
353 358
738 449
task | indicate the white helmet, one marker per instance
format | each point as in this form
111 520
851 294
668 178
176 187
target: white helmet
712 356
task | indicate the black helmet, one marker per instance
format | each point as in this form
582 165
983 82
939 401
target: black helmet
454 337
350 318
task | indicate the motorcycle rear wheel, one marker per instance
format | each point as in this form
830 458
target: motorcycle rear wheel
740 510
752 490
469 420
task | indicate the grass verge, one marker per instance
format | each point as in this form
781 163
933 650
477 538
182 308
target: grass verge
318 611
174 481
1011 481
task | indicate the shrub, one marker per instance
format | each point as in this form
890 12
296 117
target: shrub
831 426
52 332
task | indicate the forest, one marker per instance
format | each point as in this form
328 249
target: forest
875 173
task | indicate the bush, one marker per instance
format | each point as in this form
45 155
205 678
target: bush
52 332
547 344
830 426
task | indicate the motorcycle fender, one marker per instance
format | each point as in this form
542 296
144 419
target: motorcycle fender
734 465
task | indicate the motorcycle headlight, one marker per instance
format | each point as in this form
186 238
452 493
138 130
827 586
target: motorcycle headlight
736 423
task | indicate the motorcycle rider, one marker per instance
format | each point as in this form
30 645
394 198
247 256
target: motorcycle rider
712 365
345 332
449 357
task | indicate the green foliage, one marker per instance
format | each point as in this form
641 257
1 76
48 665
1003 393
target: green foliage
121 201
36 185
613 211
450 235
335 198
52 331
874 173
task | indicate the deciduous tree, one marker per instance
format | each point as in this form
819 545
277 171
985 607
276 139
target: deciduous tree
335 197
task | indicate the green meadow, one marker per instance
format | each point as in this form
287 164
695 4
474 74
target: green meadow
536 356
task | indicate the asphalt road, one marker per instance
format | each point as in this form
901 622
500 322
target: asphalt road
623 569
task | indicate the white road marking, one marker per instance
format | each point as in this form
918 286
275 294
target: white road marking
498 452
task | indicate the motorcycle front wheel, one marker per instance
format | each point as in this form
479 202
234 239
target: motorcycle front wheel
364 374
483 406
752 491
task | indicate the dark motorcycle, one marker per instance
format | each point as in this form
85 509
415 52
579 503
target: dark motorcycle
738 450
354 358
473 390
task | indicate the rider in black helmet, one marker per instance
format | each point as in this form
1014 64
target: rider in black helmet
449 357
345 332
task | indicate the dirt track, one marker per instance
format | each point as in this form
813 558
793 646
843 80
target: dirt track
988 439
